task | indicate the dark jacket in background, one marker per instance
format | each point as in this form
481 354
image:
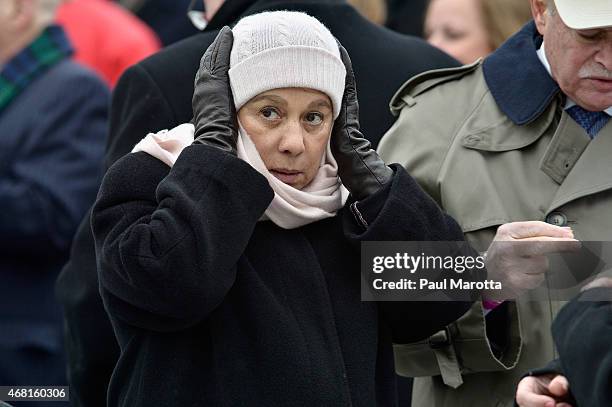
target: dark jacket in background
407 16
156 94
213 308
168 19
51 147
583 333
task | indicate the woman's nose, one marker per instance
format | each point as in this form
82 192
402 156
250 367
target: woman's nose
292 140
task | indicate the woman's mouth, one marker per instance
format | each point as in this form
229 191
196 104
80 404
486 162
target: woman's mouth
285 175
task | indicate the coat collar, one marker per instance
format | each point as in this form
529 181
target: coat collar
231 10
48 49
228 14
311 7
519 83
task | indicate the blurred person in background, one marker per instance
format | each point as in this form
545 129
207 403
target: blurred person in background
471 29
166 17
106 38
373 10
156 94
53 116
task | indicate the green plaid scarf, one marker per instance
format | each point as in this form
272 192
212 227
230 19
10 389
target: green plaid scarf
49 48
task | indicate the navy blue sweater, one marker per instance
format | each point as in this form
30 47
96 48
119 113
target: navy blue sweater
51 147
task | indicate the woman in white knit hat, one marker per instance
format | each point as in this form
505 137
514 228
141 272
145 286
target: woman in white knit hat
228 254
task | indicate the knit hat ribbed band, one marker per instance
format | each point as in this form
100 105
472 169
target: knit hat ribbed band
284 49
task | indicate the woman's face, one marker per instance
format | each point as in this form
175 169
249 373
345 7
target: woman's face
457 28
290 128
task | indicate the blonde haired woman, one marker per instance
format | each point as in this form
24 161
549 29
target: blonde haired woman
471 29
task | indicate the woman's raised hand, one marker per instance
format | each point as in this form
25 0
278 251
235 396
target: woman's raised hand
214 114
360 168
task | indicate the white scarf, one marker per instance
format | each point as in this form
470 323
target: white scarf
291 207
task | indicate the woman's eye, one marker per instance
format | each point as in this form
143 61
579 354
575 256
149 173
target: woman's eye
314 118
452 34
270 113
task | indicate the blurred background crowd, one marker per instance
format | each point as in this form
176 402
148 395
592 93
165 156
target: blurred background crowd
109 36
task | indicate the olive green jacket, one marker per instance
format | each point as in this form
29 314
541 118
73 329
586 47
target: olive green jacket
485 170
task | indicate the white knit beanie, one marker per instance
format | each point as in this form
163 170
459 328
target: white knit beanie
285 49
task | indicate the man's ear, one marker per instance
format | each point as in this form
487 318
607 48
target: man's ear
23 13
540 14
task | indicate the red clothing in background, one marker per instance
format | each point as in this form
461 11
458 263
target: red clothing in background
106 37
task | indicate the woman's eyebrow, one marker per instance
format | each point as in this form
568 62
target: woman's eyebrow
320 103
271 98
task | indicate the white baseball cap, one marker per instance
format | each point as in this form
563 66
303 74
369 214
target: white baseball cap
585 14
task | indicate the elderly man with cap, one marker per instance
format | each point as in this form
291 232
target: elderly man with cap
521 155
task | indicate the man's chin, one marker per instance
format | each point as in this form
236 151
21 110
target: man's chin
595 100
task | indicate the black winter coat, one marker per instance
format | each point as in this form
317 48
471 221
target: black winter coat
583 332
156 94
213 308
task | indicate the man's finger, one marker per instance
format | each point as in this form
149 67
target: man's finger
526 281
559 386
533 265
529 393
534 400
603 282
522 230
531 247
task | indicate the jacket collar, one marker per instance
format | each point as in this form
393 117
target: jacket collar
311 7
519 83
228 14
232 10
48 49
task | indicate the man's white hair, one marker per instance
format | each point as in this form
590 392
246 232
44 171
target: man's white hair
47 9
551 8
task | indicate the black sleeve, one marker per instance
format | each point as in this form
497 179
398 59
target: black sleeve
583 334
554 367
138 107
402 211
168 241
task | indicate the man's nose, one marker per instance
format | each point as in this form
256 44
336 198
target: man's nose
604 56
292 140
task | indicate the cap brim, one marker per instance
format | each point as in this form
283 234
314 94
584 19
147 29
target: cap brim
585 14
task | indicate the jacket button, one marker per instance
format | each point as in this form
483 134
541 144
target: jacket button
557 219
472 139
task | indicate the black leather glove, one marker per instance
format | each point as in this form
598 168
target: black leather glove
360 168
214 114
